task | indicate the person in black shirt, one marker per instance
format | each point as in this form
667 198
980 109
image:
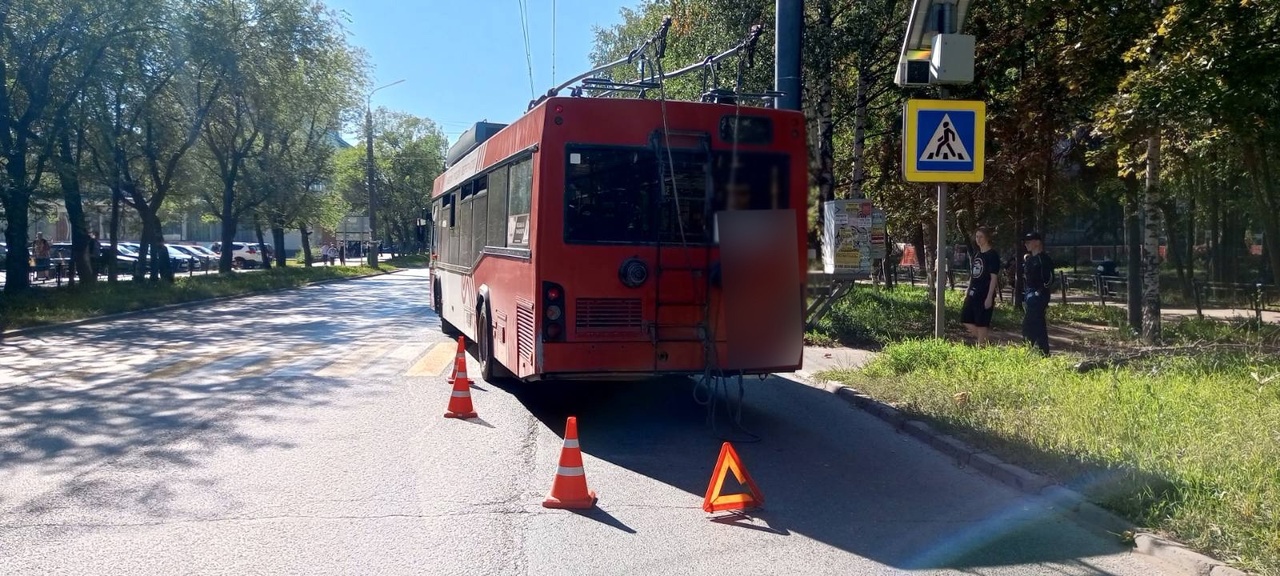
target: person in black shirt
980 298
1037 272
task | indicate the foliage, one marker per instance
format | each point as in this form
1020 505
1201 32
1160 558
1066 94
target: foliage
157 103
1185 445
408 155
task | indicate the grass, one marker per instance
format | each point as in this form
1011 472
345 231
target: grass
411 261
43 306
1185 445
873 317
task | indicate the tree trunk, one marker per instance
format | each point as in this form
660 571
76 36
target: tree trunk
1191 246
228 225
860 130
277 238
1151 245
144 253
1269 197
306 244
1215 238
81 260
930 227
1133 265
17 207
113 265
262 243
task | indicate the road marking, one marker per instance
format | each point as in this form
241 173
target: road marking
359 357
435 360
175 368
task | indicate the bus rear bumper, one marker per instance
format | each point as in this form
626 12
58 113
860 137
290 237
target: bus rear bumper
638 361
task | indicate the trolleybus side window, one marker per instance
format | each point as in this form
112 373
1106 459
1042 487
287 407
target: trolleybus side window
497 217
445 232
479 216
519 201
465 229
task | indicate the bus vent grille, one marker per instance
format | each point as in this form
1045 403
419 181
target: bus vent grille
608 314
524 330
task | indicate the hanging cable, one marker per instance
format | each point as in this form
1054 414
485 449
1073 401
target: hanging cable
528 47
553 42
713 380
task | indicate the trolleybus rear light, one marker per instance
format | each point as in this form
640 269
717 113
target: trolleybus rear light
552 311
553 331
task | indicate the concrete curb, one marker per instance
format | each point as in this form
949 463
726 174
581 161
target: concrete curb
34 330
1176 556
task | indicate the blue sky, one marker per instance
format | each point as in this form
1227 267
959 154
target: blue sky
463 61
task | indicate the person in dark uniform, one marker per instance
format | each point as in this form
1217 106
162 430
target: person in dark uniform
1037 273
980 298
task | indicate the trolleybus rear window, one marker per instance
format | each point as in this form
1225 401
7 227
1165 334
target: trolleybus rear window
613 195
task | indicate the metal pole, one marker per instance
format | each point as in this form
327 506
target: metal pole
788 39
368 129
373 199
940 304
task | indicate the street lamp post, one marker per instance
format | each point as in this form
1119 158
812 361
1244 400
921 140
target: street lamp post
369 182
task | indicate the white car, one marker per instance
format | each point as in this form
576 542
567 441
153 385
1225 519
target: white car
243 254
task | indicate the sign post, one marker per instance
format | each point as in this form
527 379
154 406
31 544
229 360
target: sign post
944 142
943 139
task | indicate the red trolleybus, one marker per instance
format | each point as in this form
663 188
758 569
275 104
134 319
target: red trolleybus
587 240
600 238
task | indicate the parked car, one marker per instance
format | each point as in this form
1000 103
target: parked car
243 254
179 261
198 261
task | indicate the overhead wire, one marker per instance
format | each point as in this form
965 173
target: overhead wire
528 47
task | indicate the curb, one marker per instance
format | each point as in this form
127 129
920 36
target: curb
34 330
1176 556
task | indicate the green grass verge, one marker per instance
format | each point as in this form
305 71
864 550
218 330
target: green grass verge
411 261
1186 445
43 306
871 317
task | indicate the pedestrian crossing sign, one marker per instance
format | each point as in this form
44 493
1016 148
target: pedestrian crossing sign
943 141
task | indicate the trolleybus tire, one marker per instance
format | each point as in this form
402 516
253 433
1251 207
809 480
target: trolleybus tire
484 345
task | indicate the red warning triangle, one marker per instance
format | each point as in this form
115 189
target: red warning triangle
730 462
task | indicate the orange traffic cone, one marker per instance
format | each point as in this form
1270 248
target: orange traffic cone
569 489
460 401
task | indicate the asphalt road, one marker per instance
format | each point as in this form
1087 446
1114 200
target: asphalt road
301 433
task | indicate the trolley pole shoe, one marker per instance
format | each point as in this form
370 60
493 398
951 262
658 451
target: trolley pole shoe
460 400
569 489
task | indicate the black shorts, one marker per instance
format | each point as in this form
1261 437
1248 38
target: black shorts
975 312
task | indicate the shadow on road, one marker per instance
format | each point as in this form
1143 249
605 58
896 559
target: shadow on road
66 416
827 471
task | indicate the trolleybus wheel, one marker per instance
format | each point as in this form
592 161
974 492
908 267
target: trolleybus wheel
484 338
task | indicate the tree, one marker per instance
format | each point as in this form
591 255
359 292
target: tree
275 43
408 156
50 50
